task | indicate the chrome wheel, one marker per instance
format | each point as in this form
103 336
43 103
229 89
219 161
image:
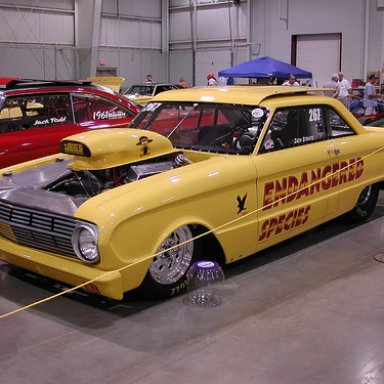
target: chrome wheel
173 262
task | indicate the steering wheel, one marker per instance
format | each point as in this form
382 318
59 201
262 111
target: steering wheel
227 140
245 142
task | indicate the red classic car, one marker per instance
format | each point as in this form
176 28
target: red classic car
35 115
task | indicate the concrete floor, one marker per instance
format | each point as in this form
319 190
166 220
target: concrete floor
309 311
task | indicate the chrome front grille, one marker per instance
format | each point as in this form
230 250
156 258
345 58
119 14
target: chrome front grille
37 229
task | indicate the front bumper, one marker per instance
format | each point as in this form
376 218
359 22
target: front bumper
72 272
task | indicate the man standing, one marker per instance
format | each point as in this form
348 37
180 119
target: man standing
345 89
370 96
211 79
149 79
333 86
291 81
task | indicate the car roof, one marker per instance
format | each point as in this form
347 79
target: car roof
16 87
150 84
15 84
256 95
4 79
234 94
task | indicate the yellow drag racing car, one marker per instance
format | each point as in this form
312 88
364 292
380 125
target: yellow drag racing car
217 173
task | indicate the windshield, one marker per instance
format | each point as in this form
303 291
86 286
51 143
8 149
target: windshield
203 126
143 90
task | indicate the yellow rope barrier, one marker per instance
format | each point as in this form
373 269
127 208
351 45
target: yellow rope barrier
175 246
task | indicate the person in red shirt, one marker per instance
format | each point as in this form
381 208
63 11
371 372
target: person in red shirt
182 83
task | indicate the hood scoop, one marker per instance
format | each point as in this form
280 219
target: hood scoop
109 148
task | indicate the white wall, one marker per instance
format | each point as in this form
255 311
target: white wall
67 39
275 21
272 23
131 39
376 34
212 33
37 38
56 4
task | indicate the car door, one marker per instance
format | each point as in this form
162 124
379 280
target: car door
352 155
31 126
295 184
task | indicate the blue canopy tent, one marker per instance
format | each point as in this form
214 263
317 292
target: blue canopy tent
264 67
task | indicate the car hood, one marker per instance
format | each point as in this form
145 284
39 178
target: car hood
139 99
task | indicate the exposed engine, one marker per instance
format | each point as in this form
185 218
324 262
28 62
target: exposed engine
86 183
99 161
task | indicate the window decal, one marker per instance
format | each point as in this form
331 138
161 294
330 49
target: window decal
103 115
314 115
257 113
51 120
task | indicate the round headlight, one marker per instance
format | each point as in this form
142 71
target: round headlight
84 240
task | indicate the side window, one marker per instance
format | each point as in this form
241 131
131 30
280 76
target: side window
336 124
34 111
161 88
94 108
148 91
295 126
80 108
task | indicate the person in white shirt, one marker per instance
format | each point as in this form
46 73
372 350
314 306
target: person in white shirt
149 79
291 81
345 90
211 79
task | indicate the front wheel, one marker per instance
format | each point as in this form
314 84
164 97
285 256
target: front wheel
166 275
365 205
